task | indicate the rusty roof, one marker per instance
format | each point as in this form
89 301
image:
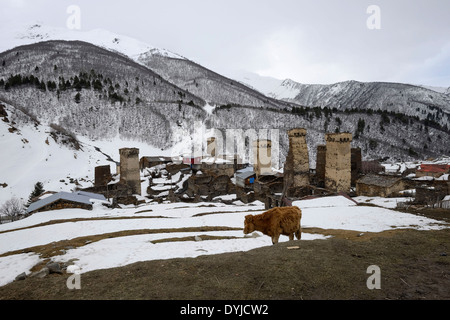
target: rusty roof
436 168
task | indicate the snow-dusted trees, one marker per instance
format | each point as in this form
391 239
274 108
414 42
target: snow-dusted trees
204 83
13 209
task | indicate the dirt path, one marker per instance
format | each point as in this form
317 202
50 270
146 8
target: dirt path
413 265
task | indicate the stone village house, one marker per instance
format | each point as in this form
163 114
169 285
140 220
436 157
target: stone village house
373 185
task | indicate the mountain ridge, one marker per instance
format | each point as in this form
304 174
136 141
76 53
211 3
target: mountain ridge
396 97
29 34
205 83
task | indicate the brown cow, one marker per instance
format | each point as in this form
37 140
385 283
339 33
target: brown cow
276 221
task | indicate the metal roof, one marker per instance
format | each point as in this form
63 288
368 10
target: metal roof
245 173
79 196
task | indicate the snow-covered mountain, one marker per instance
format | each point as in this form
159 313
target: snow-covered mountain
95 92
29 34
212 87
431 103
288 89
188 75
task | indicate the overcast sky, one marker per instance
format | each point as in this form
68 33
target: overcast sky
309 41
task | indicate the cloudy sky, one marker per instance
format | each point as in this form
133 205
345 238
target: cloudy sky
320 41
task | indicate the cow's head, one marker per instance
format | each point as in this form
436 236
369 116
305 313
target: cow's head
248 224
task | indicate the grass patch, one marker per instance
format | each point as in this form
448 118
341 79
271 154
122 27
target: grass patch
220 212
57 248
192 238
48 223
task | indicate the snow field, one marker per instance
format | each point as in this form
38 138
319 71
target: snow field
326 213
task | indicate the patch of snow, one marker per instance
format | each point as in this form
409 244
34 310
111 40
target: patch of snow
225 197
390 203
13 265
334 201
122 251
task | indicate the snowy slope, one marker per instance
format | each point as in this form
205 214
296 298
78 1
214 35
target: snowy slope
30 155
123 250
271 87
437 89
26 34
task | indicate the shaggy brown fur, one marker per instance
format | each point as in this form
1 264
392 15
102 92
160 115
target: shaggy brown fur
276 221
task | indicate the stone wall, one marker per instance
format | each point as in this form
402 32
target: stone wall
114 190
64 204
379 191
429 195
206 187
218 169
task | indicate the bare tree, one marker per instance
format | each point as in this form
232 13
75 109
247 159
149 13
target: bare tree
13 208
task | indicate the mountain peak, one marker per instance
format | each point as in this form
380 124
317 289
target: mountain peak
160 52
37 32
289 83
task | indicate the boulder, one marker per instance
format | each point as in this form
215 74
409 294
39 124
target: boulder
41 273
54 267
21 276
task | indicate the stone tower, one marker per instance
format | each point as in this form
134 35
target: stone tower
211 146
356 164
129 169
262 157
102 175
296 167
320 165
338 162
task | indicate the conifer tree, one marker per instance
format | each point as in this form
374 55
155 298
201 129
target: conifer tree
38 190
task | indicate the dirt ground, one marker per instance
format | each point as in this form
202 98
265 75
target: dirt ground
413 265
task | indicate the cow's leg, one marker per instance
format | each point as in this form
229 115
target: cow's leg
275 239
291 236
298 233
